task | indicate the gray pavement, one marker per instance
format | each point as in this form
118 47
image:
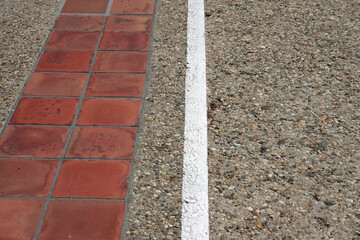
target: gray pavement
284 119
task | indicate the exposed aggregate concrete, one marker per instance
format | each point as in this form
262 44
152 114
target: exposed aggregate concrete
284 119
25 25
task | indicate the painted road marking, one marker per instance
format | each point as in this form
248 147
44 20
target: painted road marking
195 206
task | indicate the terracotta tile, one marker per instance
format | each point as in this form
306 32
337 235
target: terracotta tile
55 84
125 41
83 219
129 24
25 177
116 85
121 62
79 23
73 40
114 112
65 61
85 6
132 7
58 111
36 142
19 218
92 179
97 142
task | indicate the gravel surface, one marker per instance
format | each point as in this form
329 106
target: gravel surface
284 119
25 25
155 209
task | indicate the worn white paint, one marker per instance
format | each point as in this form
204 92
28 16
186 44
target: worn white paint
195 207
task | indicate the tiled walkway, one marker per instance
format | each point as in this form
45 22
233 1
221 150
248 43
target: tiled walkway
66 153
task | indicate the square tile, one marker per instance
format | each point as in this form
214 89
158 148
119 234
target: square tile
114 112
20 217
73 40
129 24
123 41
55 84
26 177
97 142
132 7
116 85
85 6
57 111
92 179
79 23
36 142
121 62
83 220
65 61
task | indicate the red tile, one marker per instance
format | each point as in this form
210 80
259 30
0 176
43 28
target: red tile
125 41
65 61
85 6
132 7
25 177
114 112
92 179
58 111
121 62
97 142
129 24
116 85
79 23
73 40
83 220
36 142
19 218
55 84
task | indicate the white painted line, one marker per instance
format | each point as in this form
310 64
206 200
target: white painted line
195 206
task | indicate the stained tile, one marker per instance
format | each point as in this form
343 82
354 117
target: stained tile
58 111
129 24
92 179
65 61
36 142
125 41
73 40
25 177
121 62
132 7
116 85
114 112
19 218
85 6
97 142
83 219
55 84
79 23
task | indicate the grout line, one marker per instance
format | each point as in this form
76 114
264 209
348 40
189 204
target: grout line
74 50
97 97
104 14
114 73
140 130
71 131
75 126
79 31
70 159
62 198
195 203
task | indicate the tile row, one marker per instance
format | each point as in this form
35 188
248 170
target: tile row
113 23
77 178
118 6
85 142
61 111
64 219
